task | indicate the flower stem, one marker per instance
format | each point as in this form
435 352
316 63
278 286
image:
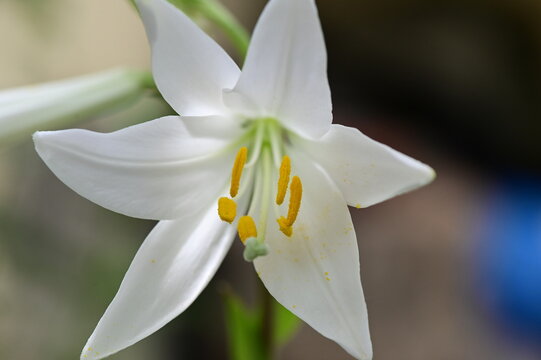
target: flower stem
220 15
267 323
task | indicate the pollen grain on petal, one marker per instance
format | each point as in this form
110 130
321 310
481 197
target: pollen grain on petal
236 172
283 180
295 197
227 209
246 228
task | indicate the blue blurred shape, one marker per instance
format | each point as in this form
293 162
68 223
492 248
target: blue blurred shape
508 259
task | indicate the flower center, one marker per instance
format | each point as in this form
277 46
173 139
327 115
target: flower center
266 146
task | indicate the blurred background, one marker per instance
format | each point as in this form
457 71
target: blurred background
451 271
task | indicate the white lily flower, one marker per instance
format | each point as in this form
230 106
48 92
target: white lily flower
26 109
272 120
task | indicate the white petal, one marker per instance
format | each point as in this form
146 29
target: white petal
172 267
190 69
221 127
315 273
366 171
285 73
156 170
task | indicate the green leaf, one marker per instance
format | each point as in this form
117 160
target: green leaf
244 330
286 324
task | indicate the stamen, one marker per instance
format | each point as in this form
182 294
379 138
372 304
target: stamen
295 197
284 227
283 180
246 228
236 172
227 209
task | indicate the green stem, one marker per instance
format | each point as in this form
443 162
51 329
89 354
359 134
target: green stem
218 14
267 322
222 17
147 80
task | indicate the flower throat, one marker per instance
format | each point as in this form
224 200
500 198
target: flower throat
265 149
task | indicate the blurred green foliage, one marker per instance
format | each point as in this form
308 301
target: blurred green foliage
246 328
39 11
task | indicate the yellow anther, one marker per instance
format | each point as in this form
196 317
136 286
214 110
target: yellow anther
236 172
295 196
283 180
227 209
246 228
284 227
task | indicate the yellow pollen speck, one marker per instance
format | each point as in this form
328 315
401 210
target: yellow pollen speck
283 180
294 306
227 209
153 261
246 228
327 279
284 227
358 206
236 172
326 273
